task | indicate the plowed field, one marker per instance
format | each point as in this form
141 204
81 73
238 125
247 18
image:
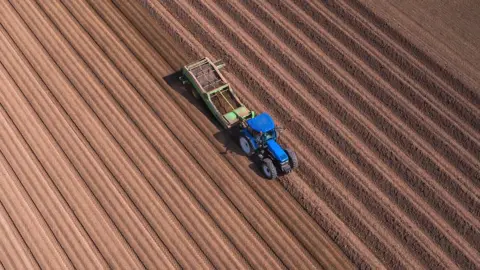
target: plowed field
107 161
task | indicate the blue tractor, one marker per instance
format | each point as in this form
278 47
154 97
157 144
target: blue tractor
258 137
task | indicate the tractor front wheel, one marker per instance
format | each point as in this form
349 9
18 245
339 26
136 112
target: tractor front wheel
269 169
292 157
246 145
195 94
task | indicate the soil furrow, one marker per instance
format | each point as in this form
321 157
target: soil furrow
48 166
68 231
110 162
25 213
458 97
148 59
149 198
130 105
217 22
446 182
150 150
373 57
110 226
134 135
430 135
206 35
325 201
211 172
405 114
382 249
322 213
15 251
369 128
190 257
129 134
330 102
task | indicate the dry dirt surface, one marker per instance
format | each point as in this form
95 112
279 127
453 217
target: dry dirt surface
107 161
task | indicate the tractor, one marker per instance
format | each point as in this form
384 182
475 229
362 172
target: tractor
257 134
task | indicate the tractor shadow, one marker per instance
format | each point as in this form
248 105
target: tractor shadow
227 138
229 141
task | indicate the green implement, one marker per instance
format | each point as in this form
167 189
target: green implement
210 85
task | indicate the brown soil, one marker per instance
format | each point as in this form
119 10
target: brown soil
107 163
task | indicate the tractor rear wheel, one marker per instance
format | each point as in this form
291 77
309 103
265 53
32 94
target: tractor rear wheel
269 169
246 145
292 158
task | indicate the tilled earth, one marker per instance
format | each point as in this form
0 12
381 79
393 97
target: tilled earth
109 162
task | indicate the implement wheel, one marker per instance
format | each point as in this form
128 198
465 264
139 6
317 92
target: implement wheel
195 94
269 169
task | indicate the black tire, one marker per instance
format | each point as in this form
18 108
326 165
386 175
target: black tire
245 144
195 94
268 168
292 158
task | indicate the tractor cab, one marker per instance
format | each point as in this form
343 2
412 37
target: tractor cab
260 137
262 128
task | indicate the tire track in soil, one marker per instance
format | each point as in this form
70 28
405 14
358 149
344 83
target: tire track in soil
257 218
287 53
147 58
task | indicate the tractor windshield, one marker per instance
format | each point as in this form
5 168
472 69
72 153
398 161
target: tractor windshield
263 137
270 135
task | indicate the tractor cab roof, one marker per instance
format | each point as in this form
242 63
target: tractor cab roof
261 123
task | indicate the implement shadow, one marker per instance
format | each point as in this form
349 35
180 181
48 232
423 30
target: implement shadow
173 80
228 138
